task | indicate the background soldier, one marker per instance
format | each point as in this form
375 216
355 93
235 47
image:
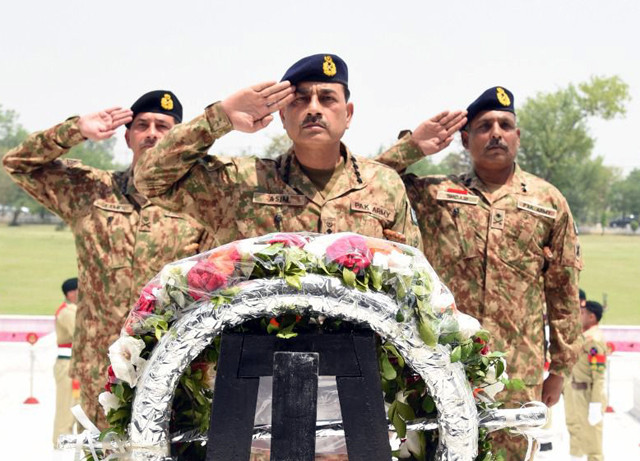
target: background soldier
584 392
317 186
505 243
65 319
122 240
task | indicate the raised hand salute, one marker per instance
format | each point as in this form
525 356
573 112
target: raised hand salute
102 125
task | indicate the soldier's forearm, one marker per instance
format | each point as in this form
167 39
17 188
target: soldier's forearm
42 148
401 155
171 159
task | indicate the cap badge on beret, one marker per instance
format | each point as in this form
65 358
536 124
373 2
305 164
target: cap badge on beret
503 97
329 67
166 102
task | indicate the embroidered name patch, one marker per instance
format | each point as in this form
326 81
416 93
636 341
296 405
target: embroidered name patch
279 199
537 209
450 196
108 206
375 210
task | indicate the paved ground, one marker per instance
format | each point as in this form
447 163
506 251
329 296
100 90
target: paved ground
26 430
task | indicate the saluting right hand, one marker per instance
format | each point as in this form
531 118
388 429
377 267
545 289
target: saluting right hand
436 133
250 109
102 125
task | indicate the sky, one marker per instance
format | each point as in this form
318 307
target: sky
408 60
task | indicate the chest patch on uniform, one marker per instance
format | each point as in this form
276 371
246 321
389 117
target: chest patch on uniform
537 209
376 210
497 219
457 196
117 207
279 199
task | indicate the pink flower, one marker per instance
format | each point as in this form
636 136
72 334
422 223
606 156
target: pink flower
351 252
203 278
111 380
224 259
289 240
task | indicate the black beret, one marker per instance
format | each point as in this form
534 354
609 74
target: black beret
318 68
595 308
582 295
496 98
159 102
70 285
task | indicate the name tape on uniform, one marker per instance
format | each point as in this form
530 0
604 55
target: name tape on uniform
537 209
448 196
279 199
376 210
109 206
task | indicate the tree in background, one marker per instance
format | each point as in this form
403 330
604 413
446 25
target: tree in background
626 195
557 146
12 198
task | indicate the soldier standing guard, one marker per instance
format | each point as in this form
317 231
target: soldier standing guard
584 393
317 186
122 239
65 319
505 243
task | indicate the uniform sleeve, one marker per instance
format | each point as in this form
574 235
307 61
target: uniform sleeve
173 174
34 165
561 293
402 154
597 352
407 224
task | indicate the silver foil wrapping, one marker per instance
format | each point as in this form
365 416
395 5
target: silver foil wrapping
320 295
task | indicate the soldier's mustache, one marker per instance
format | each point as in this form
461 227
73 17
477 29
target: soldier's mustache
313 120
149 143
497 143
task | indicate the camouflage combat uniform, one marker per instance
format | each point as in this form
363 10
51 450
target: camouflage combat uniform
246 196
503 257
122 241
586 385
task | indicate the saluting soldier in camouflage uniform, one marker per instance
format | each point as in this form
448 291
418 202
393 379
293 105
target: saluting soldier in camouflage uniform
584 393
505 243
65 318
122 239
318 185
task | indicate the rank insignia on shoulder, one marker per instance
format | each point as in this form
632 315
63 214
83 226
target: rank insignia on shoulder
503 97
453 195
166 102
329 67
537 209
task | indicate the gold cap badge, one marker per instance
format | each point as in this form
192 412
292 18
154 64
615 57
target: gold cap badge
166 102
329 67
503 97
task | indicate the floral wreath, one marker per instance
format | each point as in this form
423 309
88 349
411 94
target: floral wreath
363 263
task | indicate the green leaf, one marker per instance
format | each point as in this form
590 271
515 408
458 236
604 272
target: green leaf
294 281
456 354
427 334
388 372
499 368
376 279
349 277
428 404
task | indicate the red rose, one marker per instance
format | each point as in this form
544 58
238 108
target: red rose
351 252
111 379
289 240
147 301
203 278
485 349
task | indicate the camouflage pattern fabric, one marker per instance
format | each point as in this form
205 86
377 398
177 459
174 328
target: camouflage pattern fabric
247 196
63 420
122 241
510 259
586 385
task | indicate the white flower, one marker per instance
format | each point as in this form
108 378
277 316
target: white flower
468 326
494 385
380 260
109 402
174 274
125 359
441 298
247 248
400 263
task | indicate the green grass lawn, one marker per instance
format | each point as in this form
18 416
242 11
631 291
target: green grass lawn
35 260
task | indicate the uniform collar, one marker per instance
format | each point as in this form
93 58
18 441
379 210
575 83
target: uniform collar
519 184
293 175
129 190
